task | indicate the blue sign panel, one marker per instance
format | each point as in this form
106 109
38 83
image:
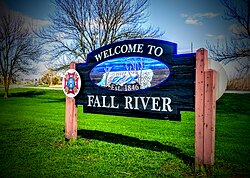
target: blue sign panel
140 78
129 73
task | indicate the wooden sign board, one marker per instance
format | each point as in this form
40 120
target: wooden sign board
140 78
145 78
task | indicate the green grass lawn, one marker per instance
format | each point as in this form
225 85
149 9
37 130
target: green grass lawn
32 142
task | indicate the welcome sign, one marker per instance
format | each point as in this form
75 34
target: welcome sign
140 78
145 78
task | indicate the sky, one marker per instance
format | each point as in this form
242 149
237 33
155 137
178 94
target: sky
190 21
183 21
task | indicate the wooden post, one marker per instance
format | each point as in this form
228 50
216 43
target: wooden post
201 54
209 116
71 115
205 103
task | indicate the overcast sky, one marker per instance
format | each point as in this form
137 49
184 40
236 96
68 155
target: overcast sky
183 21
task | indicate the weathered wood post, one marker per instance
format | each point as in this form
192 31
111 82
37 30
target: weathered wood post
205 110
209 116
71 115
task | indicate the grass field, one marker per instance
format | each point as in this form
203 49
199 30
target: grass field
32 141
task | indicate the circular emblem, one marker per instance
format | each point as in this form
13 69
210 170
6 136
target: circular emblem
71 83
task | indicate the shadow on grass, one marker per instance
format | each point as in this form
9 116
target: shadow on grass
31 93
59 100
135 142
231 102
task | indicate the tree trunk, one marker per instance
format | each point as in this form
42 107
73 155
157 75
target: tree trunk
7 81
6 93
6 86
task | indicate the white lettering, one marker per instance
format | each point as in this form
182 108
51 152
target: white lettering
136 103
106 54
116 52
133 103
98 57
158 103
90 100
110 52
128 101
150 49
143 102
166 104
160 52
157 50
93 101
104 102
132 48
97 102
140 48
155 103
113 102
124 48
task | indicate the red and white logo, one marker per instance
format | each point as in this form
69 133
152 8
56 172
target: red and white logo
71 83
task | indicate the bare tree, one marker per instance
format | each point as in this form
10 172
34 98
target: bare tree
17 48
81 26
239 45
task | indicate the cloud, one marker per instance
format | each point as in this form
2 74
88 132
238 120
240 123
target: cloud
207 14
184 15
218 37
192 21
197 18
35 22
